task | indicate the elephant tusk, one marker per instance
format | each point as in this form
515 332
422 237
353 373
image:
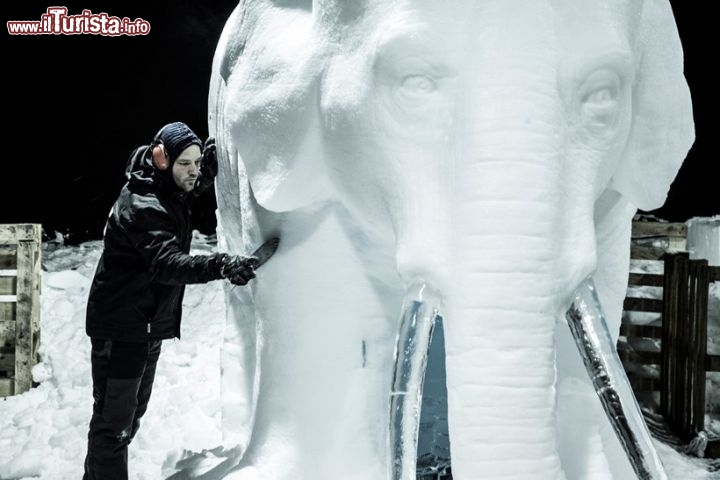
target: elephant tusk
417 322
589 329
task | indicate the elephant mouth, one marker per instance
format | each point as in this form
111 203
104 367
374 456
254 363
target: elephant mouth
586 320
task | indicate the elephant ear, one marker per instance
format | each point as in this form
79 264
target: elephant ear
271 71
662 129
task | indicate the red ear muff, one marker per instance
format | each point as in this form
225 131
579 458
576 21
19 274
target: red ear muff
159 157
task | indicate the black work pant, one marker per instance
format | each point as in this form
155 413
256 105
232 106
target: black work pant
123 374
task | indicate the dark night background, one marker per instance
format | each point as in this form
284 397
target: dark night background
74 107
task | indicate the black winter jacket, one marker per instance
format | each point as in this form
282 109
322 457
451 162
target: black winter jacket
139 283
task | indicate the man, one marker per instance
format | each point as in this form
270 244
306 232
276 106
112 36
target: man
135 300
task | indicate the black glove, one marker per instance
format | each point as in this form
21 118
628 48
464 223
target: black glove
239 270
208 167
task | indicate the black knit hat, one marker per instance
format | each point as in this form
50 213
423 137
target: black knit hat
176 137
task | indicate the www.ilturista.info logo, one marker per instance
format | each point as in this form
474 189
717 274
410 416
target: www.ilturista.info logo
56 21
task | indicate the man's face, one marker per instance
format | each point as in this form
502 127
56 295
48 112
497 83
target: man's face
186 167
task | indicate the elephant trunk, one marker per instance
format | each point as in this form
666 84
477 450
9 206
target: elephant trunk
510 277
499 341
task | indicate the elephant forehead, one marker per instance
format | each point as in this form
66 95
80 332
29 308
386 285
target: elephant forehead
589 33
468 27
523 36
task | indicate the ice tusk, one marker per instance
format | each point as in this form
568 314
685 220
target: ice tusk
411 352
587 324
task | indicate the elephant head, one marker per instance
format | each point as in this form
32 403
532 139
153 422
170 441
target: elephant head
481 158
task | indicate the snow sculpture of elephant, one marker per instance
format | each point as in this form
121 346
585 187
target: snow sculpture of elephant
480 158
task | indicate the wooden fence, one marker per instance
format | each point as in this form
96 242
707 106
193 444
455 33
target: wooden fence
20 252
665 354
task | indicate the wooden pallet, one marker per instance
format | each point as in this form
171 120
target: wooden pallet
20 256
665 358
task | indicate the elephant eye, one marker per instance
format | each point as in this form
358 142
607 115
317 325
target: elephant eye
600 98
416 87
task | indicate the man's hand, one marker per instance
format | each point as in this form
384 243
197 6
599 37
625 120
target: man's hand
209 164
237 269
208 167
